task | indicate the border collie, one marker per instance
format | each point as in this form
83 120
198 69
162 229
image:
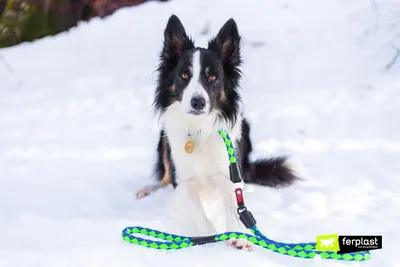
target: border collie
197 94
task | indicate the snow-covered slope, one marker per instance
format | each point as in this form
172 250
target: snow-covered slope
77 138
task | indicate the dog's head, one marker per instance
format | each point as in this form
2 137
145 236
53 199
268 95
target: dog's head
199 82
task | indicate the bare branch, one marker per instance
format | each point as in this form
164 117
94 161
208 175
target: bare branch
6 64
393 60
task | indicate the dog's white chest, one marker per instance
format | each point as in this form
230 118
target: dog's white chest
209 157
208 164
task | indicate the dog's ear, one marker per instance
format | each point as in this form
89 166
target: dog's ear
227 43
175 39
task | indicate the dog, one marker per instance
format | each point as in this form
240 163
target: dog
197 94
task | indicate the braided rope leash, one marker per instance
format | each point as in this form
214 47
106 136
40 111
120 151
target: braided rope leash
174 242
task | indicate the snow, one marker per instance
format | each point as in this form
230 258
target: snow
77 138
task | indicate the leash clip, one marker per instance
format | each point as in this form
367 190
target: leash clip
246 217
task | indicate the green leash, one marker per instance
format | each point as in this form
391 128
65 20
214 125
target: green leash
174 242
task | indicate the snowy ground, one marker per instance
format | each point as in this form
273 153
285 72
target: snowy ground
77 139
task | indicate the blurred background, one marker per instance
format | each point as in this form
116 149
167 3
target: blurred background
321 84
27 20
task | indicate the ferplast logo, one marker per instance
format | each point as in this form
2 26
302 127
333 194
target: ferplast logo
354 243
348 243
328 243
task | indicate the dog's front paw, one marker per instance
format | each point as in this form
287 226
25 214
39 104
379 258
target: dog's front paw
142 192
241 243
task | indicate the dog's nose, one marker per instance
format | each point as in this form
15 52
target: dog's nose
198 103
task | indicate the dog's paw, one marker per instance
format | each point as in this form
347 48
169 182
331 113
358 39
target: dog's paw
142 192
241 243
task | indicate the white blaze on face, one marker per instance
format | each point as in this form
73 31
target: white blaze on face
194 88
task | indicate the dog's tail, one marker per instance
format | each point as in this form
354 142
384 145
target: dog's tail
272 172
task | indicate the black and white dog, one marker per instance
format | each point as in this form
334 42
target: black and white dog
197 94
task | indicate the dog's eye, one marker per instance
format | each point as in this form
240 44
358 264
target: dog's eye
212 78
184 75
